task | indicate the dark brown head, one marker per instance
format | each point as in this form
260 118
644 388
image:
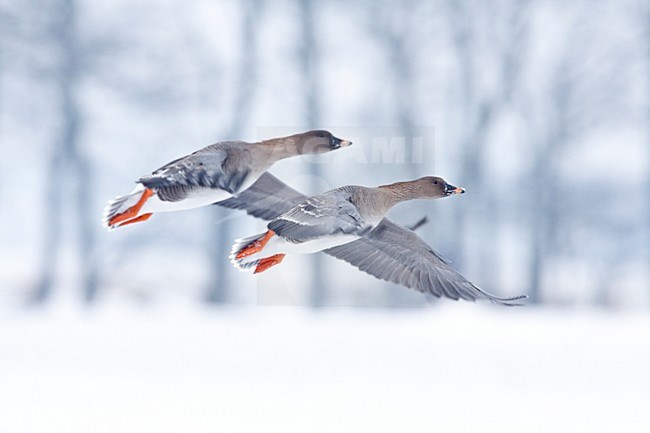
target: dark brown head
425 187
315 142
436 187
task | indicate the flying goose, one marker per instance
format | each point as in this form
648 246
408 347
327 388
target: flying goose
211 175
348 223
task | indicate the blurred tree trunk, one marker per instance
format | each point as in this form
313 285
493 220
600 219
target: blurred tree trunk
401 57
3 20
67 162
309 63
219 289
546 218
53 228
479 219
88 221
647 58
463 42
395 35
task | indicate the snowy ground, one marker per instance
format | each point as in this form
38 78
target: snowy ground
456 368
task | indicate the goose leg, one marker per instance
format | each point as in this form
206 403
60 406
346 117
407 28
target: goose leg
256 246
268 262
141 218
132 212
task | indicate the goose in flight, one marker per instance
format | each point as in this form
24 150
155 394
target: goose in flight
211 175
348 223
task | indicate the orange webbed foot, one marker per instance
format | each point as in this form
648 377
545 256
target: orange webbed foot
255 246
268 262
141 218
132 212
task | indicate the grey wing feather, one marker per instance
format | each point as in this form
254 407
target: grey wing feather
393 253
205 168
267 198
322 215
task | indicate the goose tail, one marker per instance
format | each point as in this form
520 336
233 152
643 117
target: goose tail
125 209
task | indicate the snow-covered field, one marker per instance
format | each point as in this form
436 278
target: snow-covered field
454 368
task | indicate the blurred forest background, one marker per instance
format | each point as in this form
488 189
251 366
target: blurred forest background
539 108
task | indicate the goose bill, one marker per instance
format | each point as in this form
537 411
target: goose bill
451 189
337 143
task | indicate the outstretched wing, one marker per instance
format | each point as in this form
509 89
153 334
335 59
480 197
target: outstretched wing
206 168
319 216
393 253
267 198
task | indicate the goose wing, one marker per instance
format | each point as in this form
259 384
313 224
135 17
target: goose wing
393 253
267 198
219 166
324 215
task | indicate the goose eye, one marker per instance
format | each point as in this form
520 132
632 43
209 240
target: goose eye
435 182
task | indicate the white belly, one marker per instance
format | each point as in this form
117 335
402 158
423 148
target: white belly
199 198
278 245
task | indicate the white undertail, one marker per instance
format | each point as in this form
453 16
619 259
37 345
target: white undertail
121 204
239 245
